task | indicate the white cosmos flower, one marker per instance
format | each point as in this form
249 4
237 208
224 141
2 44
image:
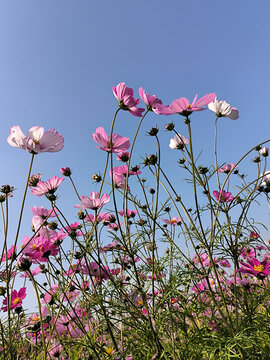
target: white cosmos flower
223 109
178 142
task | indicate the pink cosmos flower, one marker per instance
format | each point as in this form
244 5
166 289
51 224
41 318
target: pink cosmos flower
11 252
255 267
183 107
125 98
123 156
116 145
173 221
93 201
254 235
223 109
150 101
43 213
15 299
128 213
178 142
223 196
227 168
48 187
36 140
247 252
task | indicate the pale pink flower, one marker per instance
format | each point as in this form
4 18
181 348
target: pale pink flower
93 201
43 213
173 221
150 101
223 109
128 213
183 107
223 196
125 98
264 151
36 140
117 144
227 168
48 187
266 178
178 142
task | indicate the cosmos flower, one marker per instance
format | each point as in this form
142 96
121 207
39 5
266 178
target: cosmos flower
183 106
93 202
150 101
223 109
15 299
36 140
173 221
125 98
255 267
223 196
227 168
48 187
117 144
178 142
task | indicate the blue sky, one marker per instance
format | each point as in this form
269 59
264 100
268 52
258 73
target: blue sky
59 60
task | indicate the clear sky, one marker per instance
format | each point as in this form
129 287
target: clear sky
59 60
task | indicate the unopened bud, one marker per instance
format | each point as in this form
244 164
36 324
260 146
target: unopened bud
65 171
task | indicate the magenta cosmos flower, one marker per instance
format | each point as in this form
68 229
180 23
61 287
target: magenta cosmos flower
183 107
93 201
125 98
117 144
15 299
36 140
48 187
255 267
223 196
223 109
150 101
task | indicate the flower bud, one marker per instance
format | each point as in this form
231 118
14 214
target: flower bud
7 189
2 291
97 178
152 159
169 127
202 170
24 263
18 310
153 131
2 198
65 171
257 159
53 225
152 191
81 215
34 180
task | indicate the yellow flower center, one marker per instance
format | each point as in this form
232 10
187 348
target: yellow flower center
189 106
258 268
34 246
173 221
140 302
109 351
35 318
36 142
16 300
